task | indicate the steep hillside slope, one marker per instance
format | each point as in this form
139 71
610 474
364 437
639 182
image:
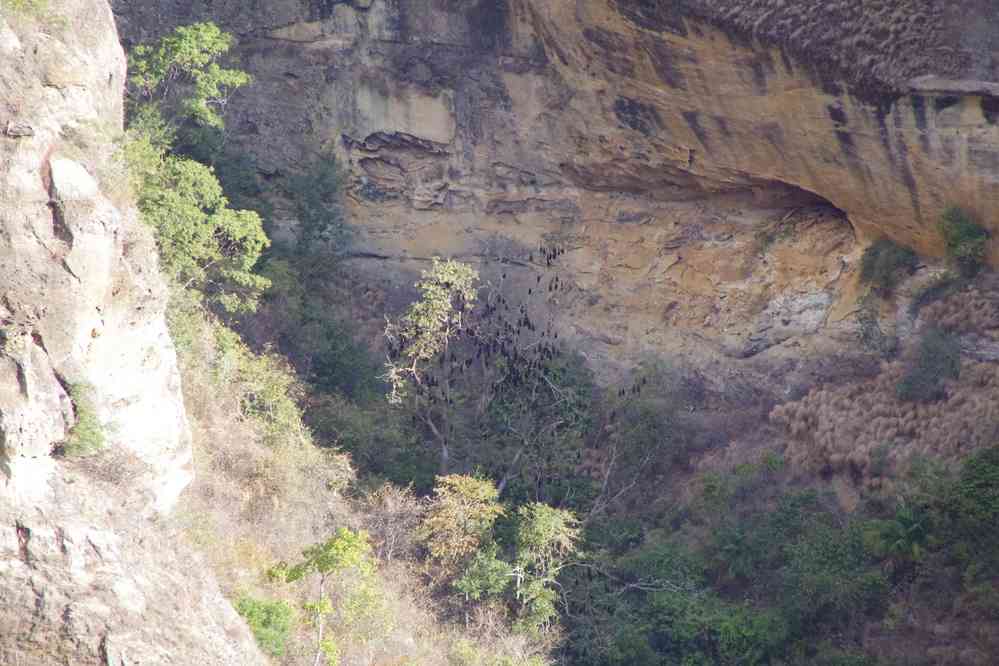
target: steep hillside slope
87 575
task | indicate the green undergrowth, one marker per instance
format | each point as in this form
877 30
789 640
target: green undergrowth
87 435
752 570
885 263
966 240
270 621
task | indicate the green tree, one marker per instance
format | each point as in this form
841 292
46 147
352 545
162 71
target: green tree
187 58
545 538
203 243
425 334
346 554
459 520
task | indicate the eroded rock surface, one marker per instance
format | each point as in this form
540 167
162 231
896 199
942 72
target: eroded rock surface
81 300
87 575
87 581
656 142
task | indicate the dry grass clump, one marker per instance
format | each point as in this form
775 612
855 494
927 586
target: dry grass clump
262 489
972 311
864 429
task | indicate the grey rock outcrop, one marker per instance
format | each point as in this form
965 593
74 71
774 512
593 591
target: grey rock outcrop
81 300
85 580
90 572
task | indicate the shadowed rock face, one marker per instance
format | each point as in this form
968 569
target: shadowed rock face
655 141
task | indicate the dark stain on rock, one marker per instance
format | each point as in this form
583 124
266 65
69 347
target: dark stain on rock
614 50
919 113
759 76
846 143
693 119
990 109
722 125
826 79
905 172
664 60
638 116
786 59
883 135
942 103
774 134
488 24
652 15
836 114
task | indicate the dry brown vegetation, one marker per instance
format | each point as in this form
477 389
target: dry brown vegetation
264 491
865 429
974 311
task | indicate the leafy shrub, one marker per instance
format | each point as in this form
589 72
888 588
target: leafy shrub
459 519
485 576
965 240
189 55
828 576
87 434
884 263
270 621
938 357
235 168
316 194
974 502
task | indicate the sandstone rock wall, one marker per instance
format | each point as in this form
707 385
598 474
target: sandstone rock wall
886 109
657 142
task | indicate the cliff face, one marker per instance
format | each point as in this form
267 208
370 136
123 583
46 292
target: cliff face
82 302
657 142
86 576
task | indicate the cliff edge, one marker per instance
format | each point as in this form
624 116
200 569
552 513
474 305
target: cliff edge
87 575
